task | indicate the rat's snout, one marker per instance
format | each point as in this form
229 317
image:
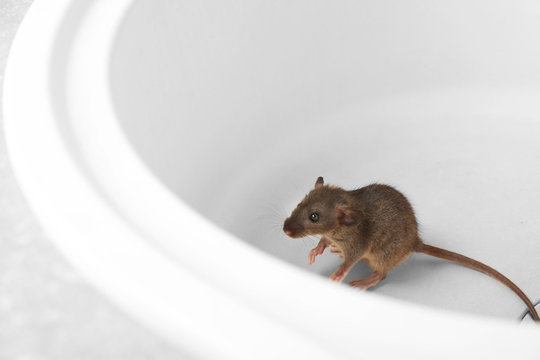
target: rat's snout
292 229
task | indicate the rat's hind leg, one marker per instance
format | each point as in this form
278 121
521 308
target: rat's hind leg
369 281
381 262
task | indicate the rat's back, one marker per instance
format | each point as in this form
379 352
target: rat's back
385 201
391 225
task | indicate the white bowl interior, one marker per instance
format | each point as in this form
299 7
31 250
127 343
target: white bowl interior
237 106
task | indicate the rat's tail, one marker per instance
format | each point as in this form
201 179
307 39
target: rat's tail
477 265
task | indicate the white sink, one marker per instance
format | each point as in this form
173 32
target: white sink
181 134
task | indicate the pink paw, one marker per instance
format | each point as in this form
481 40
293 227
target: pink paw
338 276
313 253
334 249
369 281
360 284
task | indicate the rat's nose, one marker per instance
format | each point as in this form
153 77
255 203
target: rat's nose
290 229
286 227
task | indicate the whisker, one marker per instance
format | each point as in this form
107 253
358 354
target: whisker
313 239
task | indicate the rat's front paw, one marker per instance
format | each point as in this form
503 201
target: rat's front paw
313 253
334 249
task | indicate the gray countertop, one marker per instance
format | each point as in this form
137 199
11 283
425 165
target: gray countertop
47 310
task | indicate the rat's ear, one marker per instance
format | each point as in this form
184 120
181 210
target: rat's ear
319 182
348 216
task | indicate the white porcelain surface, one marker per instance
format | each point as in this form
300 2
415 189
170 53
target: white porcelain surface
236 107
47 309
239 106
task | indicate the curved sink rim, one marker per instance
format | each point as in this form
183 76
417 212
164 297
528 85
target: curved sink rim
117 233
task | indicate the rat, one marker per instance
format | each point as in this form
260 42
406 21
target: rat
376 224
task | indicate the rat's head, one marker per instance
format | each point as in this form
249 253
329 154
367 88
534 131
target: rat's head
324 209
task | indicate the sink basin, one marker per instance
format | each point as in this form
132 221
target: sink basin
163 144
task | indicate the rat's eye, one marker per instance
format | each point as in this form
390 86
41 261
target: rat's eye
314 217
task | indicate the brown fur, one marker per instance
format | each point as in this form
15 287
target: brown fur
376 224
384 229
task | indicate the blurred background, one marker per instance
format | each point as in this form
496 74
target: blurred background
47 310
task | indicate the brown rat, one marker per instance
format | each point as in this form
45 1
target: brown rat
376 224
